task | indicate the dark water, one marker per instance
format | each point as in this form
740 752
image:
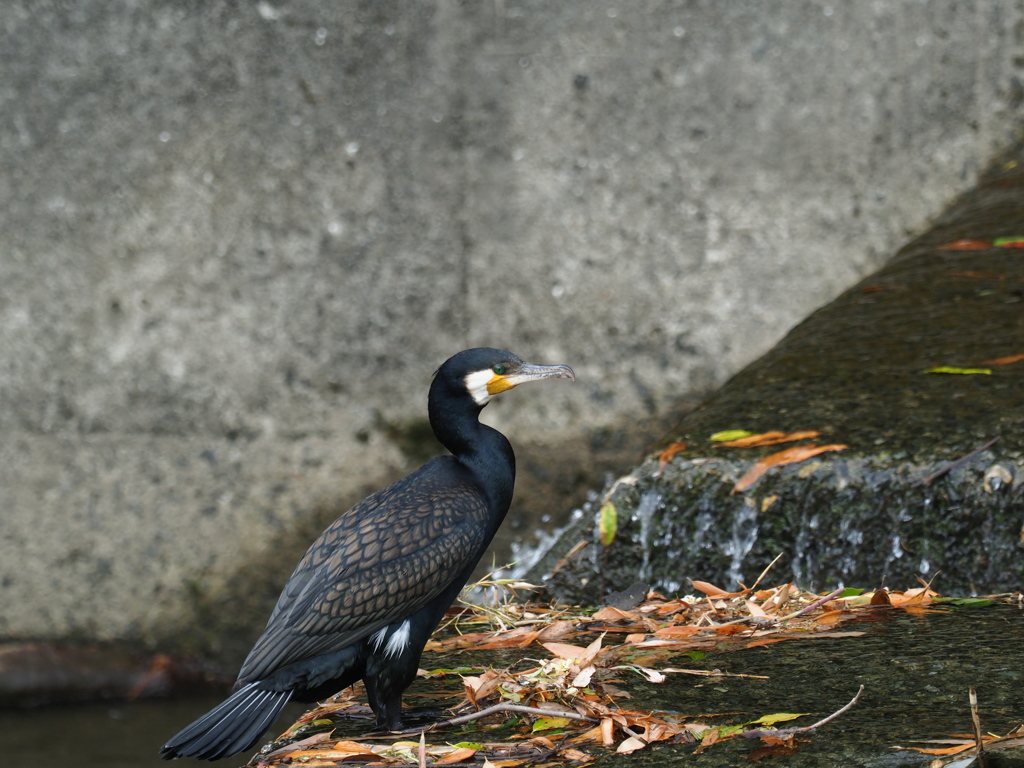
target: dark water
111 734
916 671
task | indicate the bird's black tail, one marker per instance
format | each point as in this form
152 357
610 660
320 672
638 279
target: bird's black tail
233 726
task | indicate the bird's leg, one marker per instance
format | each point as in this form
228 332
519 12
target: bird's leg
387 711
393 713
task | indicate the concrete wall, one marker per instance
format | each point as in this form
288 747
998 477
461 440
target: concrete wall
236 239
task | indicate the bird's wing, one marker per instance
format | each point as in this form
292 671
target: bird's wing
378 563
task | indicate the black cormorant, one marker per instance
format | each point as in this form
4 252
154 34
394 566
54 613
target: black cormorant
368 593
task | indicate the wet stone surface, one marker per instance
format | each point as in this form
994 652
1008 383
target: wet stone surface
916 670
855 371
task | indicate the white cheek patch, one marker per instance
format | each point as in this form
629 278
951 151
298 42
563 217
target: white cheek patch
476 385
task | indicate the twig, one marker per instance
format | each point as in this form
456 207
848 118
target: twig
568 556
765 571
954 464
502 707
790 731
979 748
815 604
714 673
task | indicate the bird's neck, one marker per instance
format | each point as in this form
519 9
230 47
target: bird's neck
480 448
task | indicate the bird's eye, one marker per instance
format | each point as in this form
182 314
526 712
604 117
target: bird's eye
499 369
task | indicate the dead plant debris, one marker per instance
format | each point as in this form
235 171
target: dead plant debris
563 708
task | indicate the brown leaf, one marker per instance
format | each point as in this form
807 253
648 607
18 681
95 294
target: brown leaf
458 756
730 629
351 747
614 614
880 597
912 597
1005 360
755 610
582 680
342 751
711 590
965 245
774 748
769 438
676 633
471 640
709 737
607 731
666 608
515 638
564 651
666 456
789 456
632 744
830 616
575 755
761 641
942 751
557 630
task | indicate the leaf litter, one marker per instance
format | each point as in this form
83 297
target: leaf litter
564 705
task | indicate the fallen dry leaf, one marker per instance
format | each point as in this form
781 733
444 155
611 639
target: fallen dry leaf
511 639
632 744
880 597
965 245
712 591
789 456
666 456
1004 360
756 610
773 747
557 630
582 680
614 614
770 438
458 756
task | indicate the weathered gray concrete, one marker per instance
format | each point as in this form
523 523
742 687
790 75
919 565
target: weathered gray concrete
236 240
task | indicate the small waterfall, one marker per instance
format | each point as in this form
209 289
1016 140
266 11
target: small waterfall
645 512
743 538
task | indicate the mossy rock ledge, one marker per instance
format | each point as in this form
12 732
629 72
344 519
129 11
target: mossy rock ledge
857 371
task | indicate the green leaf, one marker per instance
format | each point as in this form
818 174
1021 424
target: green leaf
729 434
323 721
468 745
696 655
850 592
969 602
954 369
1003 242
547 723
779 717
607 524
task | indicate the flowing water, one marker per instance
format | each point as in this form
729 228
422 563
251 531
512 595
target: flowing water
916 670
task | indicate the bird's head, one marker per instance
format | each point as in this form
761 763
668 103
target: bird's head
483 373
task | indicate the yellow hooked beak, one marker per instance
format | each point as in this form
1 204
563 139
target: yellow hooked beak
527 372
